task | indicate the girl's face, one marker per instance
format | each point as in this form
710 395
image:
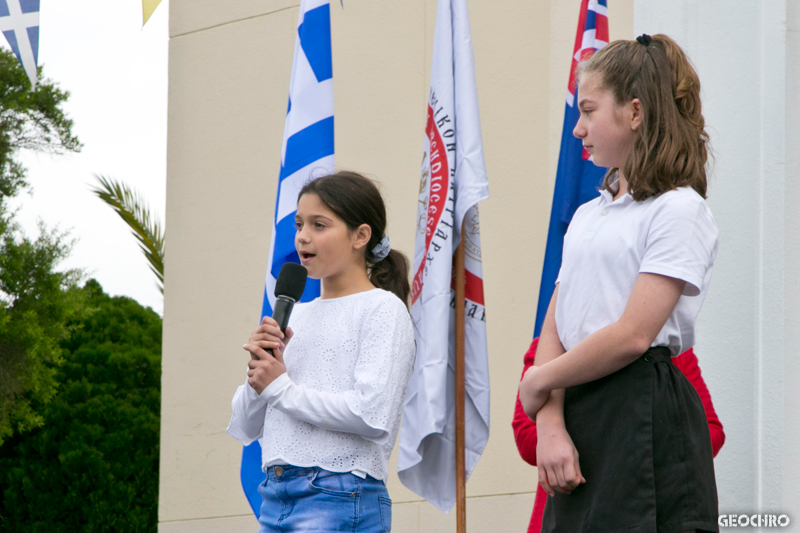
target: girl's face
606 129
326 246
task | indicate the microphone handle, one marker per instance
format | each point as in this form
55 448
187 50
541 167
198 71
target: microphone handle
281 313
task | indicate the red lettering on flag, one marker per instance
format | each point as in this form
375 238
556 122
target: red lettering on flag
439 182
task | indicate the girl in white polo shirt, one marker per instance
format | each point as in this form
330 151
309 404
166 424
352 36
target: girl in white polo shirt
623 439
327 406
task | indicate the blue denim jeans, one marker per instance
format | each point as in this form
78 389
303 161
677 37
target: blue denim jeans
308 500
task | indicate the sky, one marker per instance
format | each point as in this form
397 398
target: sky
116 72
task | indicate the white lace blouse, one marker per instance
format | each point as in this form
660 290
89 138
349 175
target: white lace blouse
339 404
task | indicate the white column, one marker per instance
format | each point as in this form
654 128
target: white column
791 360
748 330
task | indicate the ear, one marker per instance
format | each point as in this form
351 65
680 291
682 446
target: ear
361 236
636 114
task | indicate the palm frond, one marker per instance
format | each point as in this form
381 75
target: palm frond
147 229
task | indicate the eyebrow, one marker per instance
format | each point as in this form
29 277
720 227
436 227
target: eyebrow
312 217
584 101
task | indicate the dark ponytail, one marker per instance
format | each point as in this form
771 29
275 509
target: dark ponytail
356 200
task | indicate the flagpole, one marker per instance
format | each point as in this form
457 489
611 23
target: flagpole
461 478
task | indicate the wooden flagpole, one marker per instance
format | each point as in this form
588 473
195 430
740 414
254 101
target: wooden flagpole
461 477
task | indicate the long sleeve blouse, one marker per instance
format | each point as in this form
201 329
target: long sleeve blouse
525 428
338 406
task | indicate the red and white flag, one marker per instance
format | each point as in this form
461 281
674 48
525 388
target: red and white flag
453 181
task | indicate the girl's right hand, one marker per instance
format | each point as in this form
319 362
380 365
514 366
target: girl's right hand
269 336
557 460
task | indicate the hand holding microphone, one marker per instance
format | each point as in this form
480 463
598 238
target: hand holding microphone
267 342
269 337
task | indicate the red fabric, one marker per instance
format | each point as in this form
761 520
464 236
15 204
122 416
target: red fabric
525 428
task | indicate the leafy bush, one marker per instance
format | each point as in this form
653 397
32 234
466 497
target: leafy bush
93 465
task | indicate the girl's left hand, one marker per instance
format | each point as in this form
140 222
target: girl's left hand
531 396
263 368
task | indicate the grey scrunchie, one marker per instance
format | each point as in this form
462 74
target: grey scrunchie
381 250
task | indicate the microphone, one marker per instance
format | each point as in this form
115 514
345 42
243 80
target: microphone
288 289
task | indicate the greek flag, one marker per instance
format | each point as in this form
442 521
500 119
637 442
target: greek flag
19 22
307 154
577 179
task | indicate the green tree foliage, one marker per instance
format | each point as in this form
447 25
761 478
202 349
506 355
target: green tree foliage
79 370
36 300
30 120
93 465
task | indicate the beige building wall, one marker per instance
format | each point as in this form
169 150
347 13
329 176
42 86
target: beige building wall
230 66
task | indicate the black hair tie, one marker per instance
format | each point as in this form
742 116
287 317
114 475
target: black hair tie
644 39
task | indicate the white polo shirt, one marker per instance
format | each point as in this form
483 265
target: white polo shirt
609 243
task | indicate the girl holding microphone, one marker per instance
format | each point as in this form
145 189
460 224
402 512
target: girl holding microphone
327 406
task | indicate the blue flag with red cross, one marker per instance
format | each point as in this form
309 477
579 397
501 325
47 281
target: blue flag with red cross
577 179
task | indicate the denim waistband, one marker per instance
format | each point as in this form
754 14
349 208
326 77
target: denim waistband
287 471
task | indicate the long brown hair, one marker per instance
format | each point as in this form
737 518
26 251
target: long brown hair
357 200
671 148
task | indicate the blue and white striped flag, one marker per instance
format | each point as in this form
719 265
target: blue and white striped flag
307 154
19 22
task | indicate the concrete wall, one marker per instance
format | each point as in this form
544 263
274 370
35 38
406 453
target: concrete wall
229 79
748 57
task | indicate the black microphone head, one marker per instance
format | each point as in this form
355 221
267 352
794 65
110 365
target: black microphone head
291 281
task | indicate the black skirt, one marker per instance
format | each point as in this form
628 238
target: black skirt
645 451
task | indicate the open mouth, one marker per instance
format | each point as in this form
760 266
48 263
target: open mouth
306 256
